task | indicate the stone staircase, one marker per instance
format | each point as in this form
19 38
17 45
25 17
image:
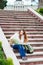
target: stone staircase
12 21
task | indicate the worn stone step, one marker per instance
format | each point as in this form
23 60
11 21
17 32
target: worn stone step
10 28
36 49
17 29
17 21
37 45
32 33
34 56
12 15
35 40
16 14
32 63
28 32
34 53
31 60
26 17
12 11
19 17
31 40
22 20
29 36
21 24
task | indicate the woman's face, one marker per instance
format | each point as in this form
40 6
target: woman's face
21 33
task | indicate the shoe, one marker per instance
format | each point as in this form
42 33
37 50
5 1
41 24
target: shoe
30 52
24 58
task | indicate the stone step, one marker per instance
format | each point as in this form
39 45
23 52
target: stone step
12 19
19 17
35 40
17 21
31 60
29 31
32 63
15 15
32 40
37 45
26 25
30 56
33 54
19 14
32 33
26 17
29 36
14 29
35 50
13 25
14 12
10 28
11 33
22 24
20 20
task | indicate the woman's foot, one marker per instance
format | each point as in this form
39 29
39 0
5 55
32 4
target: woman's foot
30 52
24 58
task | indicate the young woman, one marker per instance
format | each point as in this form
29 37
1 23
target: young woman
17 39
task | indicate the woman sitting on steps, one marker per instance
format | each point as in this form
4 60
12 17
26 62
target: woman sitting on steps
16 42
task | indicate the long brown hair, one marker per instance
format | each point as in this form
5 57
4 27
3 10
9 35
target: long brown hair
25 36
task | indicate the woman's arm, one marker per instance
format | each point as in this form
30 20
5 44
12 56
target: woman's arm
11 41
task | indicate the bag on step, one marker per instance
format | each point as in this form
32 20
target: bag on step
29 48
